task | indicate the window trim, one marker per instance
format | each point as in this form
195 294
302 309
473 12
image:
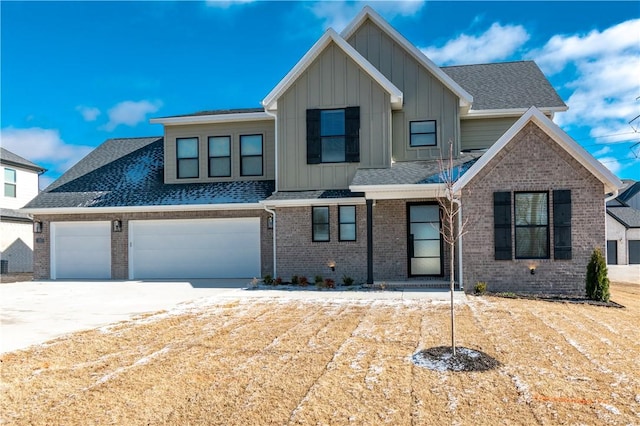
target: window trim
228 157
434 133
516 226
314 223
351 135
242 157
197 157
354 223
13 184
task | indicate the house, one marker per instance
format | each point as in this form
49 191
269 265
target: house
20 185
623 226
337 174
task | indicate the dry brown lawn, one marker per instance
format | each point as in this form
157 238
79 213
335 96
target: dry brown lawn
257 361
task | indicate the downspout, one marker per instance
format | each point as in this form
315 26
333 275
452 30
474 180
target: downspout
606 200
273 212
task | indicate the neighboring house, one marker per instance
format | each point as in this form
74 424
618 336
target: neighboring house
20 185
623 226
338 175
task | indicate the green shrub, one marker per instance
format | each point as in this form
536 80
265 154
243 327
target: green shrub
346 280
318 279
480 287
597 280
268 280
294 280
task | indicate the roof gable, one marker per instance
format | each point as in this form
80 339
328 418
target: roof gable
367 13
270 102
610 181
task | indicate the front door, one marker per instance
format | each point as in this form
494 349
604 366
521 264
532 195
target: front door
612 252
424 242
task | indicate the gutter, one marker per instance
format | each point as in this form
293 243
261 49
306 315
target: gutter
142 209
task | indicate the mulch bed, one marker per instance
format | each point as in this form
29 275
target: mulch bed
558 298
441 358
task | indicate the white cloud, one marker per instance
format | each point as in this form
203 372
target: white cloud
611 163
225 4
499 42
130 113
338 14
602 69
43 146
602 151
88 113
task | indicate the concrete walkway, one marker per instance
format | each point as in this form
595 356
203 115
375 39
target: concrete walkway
35 312
624 273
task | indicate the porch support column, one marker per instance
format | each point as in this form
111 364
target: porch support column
369 241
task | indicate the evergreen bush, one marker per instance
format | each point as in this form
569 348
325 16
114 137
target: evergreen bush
597 280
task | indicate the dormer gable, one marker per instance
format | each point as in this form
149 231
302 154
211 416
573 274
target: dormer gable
270 102
367 14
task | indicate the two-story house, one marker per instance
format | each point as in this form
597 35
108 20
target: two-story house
338 174
20 185
623 226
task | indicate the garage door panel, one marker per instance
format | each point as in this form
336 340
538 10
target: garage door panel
196 248
81 250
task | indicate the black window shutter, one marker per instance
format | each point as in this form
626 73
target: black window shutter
502 225
352 133
314 147
562 224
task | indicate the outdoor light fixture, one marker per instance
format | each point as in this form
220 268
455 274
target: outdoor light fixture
270 222
117 225
332 265
532 270
37 227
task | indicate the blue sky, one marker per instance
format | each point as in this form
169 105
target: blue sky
74 74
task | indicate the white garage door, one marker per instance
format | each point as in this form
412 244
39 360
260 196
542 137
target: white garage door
81 250
194 248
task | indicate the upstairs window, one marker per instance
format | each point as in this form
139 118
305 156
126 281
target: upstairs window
251 155
10 183
423 133
320 223
333 135
219 156
187 157
531 211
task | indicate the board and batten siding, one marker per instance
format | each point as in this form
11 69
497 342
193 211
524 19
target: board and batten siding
333 80
203 131
482 133
425 97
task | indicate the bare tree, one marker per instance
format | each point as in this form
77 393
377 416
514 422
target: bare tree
452 227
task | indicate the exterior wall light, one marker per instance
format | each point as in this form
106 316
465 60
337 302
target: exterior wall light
37 227
117 225
532 270
270 222
332 266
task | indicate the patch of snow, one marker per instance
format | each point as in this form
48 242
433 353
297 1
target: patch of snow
355 364
522 387
146 359
611 409
453 402
372 375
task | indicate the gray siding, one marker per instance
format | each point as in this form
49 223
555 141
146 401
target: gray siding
333 80
482 133
235 130
425 97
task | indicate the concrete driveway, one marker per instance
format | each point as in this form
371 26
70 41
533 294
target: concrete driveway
35 312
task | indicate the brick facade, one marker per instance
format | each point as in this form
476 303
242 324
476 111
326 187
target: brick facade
531 161
297 254
119 240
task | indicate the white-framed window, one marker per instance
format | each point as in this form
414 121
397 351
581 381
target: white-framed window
10 183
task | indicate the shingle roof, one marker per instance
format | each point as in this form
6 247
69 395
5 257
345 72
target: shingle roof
130 172
15 215
628 216
505 85
314 195
629 192
9 157
219 112
412 172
